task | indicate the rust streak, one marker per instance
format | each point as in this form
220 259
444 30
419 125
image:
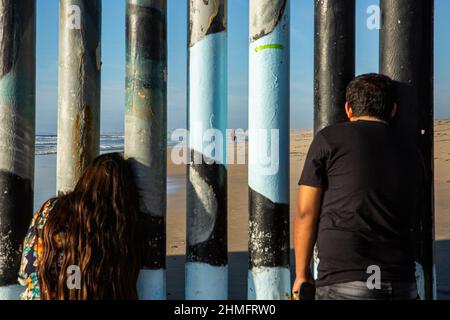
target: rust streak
82 146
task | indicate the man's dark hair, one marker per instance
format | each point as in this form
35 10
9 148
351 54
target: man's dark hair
371 95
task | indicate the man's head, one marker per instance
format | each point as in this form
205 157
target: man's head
371 95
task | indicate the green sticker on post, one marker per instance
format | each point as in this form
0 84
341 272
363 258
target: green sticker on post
269 46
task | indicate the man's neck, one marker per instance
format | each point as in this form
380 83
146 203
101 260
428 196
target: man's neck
368 118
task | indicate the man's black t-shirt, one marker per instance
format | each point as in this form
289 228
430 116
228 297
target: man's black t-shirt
372 180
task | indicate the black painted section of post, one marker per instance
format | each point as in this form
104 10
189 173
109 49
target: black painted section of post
213 249
16 211
334 59
268 251
146 120
17 132
406 55
206 241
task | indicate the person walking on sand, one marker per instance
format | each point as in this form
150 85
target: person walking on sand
94 230
233 136
360 192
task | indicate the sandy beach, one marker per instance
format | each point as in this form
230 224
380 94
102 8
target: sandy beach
238 215
238 211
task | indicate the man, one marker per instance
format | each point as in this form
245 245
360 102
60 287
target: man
359 193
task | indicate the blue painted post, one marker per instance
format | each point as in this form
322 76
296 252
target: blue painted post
206 268
146 132
17 130
269 274
79 89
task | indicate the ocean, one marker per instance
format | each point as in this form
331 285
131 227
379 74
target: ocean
45 165
113 142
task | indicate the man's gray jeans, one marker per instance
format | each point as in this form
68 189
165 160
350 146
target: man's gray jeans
360 291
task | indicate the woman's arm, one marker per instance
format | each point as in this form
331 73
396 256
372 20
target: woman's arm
32 248
28 265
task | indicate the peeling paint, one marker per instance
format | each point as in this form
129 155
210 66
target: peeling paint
8 254
146 104
207 214
269 250
16 208
204 211
269 110
146 132
269 283
207 186
265 15
154 230
268 232
206 17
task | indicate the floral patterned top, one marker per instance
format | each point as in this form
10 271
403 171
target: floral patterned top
32 250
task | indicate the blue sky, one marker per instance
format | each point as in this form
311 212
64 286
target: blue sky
302 46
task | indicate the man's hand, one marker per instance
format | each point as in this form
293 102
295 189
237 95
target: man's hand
299 281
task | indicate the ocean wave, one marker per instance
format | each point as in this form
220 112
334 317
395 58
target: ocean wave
47 144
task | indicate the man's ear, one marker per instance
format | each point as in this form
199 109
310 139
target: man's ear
348 111
394 111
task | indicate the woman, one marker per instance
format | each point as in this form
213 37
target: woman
93 230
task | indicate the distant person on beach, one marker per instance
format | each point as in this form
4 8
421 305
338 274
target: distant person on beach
233 136
360 192
93 230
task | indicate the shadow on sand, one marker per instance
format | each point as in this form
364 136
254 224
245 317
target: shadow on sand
238 265
238 269
442 260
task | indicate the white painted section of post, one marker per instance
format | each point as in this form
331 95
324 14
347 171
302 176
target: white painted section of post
152 284
11 292
268 283
206 282
420 278
269 61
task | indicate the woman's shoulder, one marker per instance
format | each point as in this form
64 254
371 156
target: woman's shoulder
40 217
32 249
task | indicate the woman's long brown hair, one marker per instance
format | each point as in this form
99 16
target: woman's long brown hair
98 222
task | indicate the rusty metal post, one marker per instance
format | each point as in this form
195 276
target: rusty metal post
79 89
17 131
146 132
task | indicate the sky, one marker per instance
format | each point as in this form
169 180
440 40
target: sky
302 50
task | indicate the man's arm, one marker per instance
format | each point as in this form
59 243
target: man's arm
305 232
